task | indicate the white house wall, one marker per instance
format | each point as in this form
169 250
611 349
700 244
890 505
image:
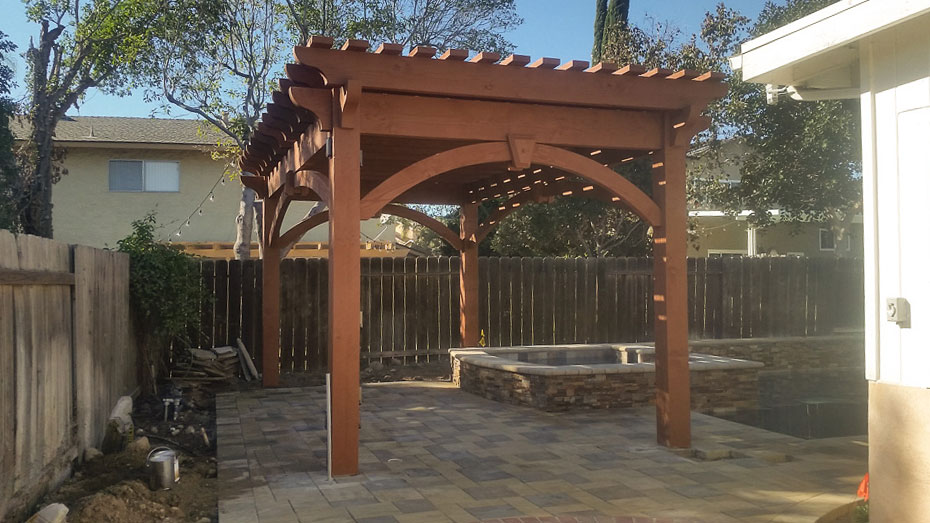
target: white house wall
895 68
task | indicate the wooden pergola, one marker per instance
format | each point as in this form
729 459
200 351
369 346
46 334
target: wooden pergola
365 132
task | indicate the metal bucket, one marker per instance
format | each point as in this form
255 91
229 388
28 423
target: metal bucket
162 465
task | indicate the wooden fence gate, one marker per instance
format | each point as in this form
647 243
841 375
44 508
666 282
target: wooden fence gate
410 306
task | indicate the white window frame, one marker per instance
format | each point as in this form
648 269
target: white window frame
820 240
711 252
111 160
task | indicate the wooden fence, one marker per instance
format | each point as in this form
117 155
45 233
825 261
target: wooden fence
410 306
66 355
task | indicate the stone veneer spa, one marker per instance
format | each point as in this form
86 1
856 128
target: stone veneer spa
598 376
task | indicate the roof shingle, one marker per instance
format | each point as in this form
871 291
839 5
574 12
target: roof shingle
109 129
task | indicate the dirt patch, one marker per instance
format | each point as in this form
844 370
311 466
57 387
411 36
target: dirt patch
114 488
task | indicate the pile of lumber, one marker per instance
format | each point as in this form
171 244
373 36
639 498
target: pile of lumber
216 364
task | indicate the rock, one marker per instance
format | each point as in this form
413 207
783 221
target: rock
91 454
375 366
139 445
190 430
54 513
153 429
119 426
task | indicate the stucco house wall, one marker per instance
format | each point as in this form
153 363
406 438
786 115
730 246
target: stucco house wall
86 212
879 51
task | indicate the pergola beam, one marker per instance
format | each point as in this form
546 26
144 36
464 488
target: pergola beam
434 118
397 74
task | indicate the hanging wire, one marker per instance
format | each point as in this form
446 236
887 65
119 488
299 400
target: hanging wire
199 209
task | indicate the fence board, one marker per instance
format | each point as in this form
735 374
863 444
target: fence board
399 306
432 299
66 354
410 307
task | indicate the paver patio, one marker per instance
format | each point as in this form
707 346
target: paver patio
432 453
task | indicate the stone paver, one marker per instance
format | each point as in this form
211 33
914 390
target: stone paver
432 453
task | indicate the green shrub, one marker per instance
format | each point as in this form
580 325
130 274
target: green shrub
165 294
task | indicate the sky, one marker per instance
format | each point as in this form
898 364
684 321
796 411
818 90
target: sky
554 28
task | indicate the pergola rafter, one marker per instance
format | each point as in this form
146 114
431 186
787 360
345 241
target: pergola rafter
364 132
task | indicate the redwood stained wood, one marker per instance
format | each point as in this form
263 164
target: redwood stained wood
454 302
673 391
529 84
344 295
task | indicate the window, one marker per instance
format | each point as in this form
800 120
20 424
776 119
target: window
827 240
144 176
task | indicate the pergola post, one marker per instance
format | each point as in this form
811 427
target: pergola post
468 275
673 388
344 299
271 297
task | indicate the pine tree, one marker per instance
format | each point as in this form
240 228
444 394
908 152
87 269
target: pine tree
600 14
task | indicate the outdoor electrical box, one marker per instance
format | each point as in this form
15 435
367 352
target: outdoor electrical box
897 311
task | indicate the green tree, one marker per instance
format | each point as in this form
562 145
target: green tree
103 44
608 18
226 78
165 292
803 157
9 173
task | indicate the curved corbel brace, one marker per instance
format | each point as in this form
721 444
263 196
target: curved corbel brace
499 152
349 96
302 227
259 184
687 123
521 151
451 237
313 180
284 201
317 101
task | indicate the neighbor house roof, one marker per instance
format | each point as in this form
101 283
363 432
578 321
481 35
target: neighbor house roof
123 130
